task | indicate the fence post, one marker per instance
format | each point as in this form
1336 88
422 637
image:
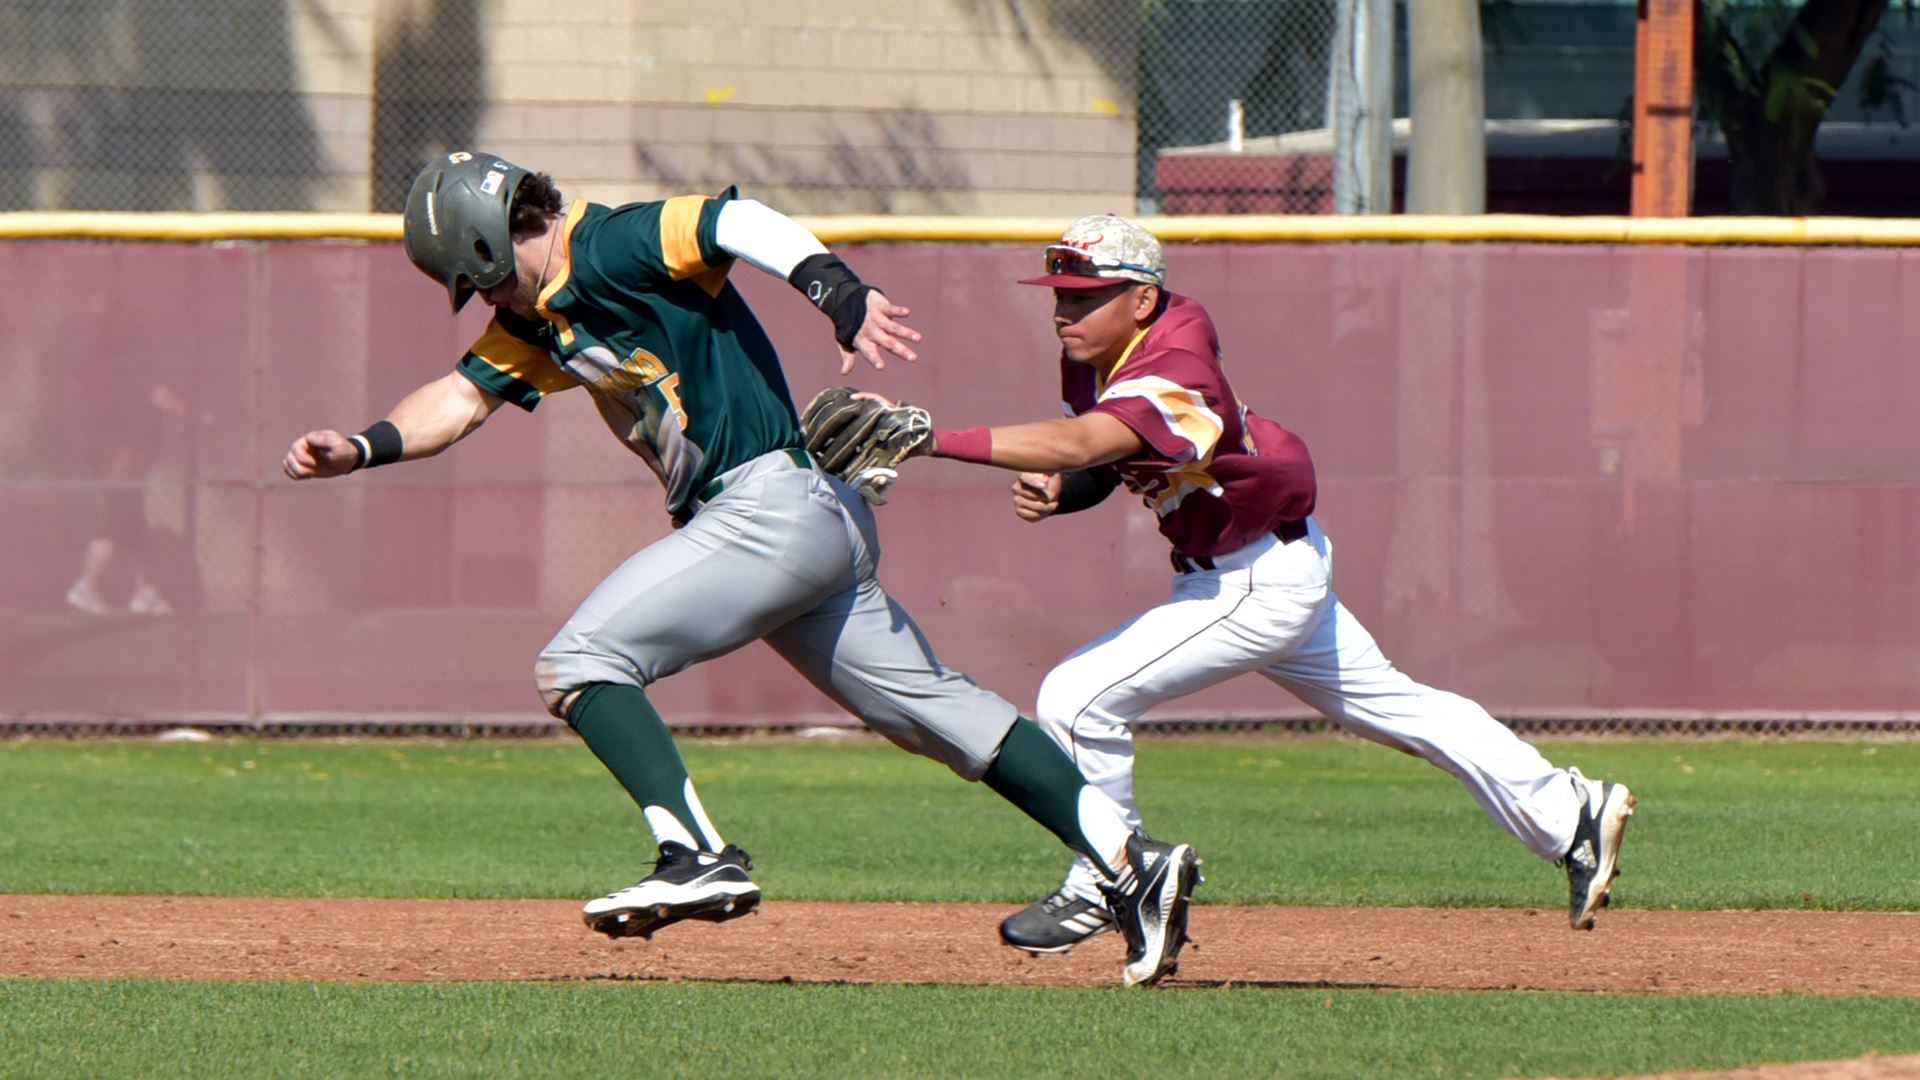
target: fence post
1663 109
1360 107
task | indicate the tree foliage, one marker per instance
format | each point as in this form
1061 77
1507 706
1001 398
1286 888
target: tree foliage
1765 74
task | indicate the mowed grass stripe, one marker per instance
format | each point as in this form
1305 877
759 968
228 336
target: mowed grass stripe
59 1028
1775 824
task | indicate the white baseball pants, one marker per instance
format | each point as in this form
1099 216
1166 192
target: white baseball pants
1270 608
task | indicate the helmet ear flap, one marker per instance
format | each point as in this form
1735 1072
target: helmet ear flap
460 290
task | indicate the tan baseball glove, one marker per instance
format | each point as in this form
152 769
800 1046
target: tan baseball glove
863 440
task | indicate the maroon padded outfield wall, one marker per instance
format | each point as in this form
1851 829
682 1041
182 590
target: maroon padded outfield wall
1562 479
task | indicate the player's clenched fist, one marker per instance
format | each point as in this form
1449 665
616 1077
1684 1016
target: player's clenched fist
1036 495
320 454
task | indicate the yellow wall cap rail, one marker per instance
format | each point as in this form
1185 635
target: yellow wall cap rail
874 229
184 227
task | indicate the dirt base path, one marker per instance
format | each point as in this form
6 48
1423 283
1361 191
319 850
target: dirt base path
1449 948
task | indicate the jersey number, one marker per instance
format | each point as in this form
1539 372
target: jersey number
655 376
669 388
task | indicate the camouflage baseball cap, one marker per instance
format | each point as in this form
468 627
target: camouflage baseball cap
1100 249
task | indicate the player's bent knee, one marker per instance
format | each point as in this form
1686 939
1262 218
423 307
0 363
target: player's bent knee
560 677
561 673
1062 699
557 695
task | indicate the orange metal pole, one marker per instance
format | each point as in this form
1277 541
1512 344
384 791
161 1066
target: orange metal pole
1663 109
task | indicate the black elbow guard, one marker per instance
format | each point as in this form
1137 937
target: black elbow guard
830 286
1085 488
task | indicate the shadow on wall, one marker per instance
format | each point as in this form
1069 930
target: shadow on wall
1091 24
17 158
199 106
153 106
181 105
858 174
428 82
872 156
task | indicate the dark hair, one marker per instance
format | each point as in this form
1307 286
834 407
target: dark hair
535 202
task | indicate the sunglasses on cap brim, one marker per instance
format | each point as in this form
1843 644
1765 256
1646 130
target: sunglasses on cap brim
1075 263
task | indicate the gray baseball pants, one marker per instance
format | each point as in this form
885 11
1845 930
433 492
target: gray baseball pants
786 553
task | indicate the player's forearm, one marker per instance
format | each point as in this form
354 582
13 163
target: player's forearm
439 414
1054 446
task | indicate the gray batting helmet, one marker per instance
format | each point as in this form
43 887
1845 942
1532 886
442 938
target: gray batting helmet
456 222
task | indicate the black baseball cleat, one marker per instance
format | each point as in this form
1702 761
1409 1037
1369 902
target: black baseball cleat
685 884
1149 904
1594 859
1055 924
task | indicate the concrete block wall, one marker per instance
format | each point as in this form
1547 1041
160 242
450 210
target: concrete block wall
176 105
908 106
866 106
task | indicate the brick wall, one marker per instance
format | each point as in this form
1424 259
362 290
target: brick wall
912 106
915 106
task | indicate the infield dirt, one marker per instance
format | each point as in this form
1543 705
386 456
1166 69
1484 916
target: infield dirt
1439 948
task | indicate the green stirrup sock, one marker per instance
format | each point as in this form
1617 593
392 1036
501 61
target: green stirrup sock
1034 774
620 726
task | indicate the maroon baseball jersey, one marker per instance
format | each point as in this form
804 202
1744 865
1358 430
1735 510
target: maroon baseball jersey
1217 475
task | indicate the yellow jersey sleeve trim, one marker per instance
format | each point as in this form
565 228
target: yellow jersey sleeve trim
680 236
521 361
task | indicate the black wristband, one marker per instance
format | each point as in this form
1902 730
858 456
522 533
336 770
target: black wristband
1085 488
378 445
827 283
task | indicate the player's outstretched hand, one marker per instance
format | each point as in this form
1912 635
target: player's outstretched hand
880 335
1036 495
320 454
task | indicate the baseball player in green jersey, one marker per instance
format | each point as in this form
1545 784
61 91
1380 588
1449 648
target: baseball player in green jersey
634 303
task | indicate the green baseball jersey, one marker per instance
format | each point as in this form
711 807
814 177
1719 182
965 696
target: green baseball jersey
641 313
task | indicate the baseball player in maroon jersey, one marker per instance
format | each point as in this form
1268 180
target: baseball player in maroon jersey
1149 406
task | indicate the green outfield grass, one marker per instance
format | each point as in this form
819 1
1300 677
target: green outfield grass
1824 824
153 1028
1782 824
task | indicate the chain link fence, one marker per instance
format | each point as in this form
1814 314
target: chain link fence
153 105
295 105
1215 74
982 107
